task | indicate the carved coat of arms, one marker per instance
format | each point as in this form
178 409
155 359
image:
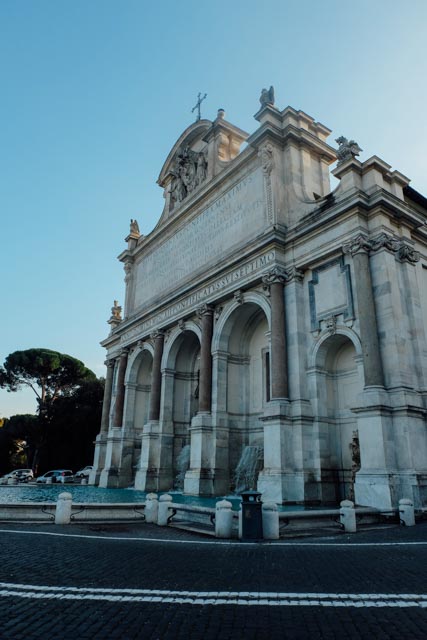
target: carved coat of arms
190 169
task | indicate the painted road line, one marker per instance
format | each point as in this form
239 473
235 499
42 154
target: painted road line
217 598
218 542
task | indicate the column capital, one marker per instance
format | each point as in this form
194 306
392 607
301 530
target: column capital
157 334
124 352
110 362
406 253
277 275
358 244
204 310
294 274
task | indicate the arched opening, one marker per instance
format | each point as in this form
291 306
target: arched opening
245 339
339 382
185 403
142 389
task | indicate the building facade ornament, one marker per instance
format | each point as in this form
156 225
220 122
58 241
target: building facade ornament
134 228
157 334
267 162
276 275
331 324
116 315
128 271
359 244
267 96
181 324
190 170
238 296
405 253
362 244
347 149
266 157
205 309
384 241
294 274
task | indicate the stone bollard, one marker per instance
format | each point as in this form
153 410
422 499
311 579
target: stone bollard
348 516
63 508
151 508
12 481
48 480
223 519
406 512
270 521
165 509
83 481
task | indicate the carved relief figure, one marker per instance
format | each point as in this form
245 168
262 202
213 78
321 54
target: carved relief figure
347 149
116 311
190 170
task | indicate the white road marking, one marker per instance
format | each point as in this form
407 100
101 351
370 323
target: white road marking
244 598
216 541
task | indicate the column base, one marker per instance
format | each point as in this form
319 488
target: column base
199 482
98 459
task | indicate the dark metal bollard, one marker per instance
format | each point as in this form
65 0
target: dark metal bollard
251 515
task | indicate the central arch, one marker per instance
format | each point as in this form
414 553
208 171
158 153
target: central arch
241 350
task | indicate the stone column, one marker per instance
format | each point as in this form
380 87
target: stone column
274 280
108 389
205 312
120 394
199 478
101 438
359 248
156 376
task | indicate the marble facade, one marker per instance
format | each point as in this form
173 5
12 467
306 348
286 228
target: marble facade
267 311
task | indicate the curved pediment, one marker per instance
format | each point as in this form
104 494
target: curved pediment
192 140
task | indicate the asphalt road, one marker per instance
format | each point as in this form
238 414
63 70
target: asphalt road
122 582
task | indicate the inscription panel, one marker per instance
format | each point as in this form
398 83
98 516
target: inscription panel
234 218
189 303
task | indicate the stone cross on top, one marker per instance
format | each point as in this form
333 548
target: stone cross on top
197 105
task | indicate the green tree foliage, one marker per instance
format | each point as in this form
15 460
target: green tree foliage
54 377
49 374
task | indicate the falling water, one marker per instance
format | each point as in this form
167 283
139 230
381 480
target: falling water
248 468
182 465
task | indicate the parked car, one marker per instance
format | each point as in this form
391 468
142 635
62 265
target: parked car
21 475
84 473
58 475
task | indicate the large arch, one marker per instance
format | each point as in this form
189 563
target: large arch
180 389
337 380
241 376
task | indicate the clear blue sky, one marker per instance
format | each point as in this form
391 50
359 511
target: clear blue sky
96 92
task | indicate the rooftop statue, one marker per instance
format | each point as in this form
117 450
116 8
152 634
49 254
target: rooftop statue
347 149
116 311
134 227
267 96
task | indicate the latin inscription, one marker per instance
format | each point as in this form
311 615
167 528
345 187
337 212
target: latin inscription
231 220
229 280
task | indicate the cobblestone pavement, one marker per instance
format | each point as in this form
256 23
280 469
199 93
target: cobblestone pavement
126 582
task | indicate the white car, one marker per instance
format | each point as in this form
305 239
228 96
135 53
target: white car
58 475
84 473
21 475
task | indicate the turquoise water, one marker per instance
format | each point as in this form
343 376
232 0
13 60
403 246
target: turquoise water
80 493
83 493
